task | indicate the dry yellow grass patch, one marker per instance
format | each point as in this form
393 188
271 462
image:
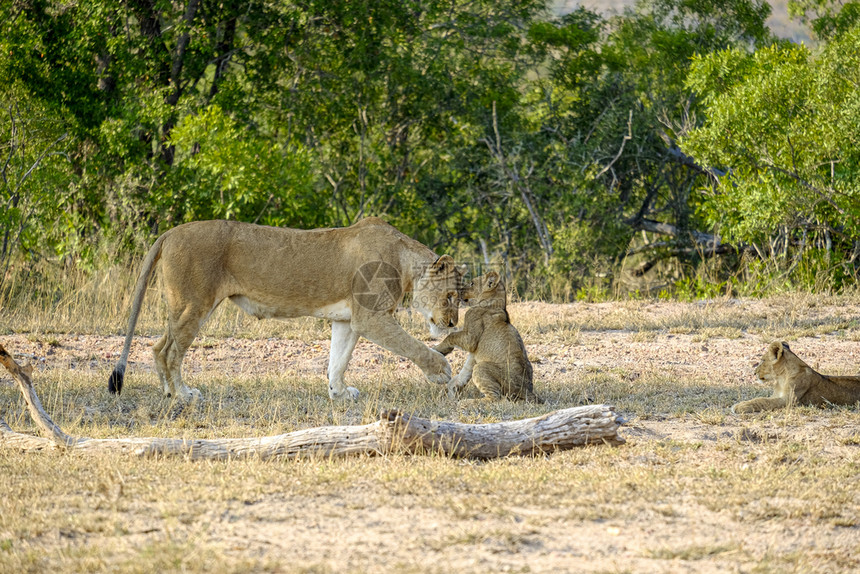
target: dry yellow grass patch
694 489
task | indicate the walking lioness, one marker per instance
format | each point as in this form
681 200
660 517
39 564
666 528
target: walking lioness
497 360
796 383
354 276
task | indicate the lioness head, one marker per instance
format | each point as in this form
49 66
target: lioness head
488 289
778 360
436 295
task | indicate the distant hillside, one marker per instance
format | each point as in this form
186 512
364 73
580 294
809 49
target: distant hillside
779 21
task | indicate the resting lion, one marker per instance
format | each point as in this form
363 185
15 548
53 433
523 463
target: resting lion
795 383
354 276
497 360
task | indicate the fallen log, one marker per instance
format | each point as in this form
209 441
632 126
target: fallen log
394 433
558 430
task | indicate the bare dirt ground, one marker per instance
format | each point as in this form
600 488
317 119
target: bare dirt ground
386 515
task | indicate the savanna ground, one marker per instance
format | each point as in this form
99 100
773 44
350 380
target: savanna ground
694 489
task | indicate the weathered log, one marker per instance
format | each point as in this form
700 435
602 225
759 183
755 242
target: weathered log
394 433
558 430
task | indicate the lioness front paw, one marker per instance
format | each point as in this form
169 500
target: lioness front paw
188 395
347 393
440 372
440 378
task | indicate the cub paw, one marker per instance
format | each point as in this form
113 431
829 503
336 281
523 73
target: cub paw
453 391
456 383
741 409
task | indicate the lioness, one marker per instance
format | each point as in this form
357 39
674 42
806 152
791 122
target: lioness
354 276
497 359
796 383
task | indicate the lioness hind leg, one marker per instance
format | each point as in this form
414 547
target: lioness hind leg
170 351
160 361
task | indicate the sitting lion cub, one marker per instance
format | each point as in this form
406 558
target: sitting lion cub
497 357
797 384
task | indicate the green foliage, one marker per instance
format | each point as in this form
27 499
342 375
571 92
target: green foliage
488 129
601 131
826 18
781 123
35 205
222 171
701 287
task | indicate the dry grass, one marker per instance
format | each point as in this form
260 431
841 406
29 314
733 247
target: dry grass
695 489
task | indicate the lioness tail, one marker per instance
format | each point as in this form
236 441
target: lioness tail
152 257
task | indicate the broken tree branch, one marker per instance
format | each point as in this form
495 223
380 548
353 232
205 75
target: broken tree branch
703 242
22 377
394 433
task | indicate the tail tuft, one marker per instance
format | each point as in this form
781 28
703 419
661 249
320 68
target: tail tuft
115 380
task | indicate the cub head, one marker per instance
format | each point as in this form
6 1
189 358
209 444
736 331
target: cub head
436 294
486 290
777 361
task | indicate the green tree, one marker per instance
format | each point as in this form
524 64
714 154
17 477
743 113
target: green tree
590 154
379 93
782 126
34 173
826 18
386 93
223 171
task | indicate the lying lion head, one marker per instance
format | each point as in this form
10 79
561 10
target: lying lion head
776 359
780 363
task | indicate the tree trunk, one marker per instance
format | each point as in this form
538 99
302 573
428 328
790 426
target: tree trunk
394 433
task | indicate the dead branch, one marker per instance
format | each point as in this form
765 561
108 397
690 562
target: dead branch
394 433
624 141
22 377
522 185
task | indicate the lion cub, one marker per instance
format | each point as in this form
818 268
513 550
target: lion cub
796 383
497 360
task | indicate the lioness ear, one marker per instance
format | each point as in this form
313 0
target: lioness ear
776 349
492 279
443 264
462 270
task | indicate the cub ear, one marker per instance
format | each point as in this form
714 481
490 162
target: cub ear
492 280
775 349
443 264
